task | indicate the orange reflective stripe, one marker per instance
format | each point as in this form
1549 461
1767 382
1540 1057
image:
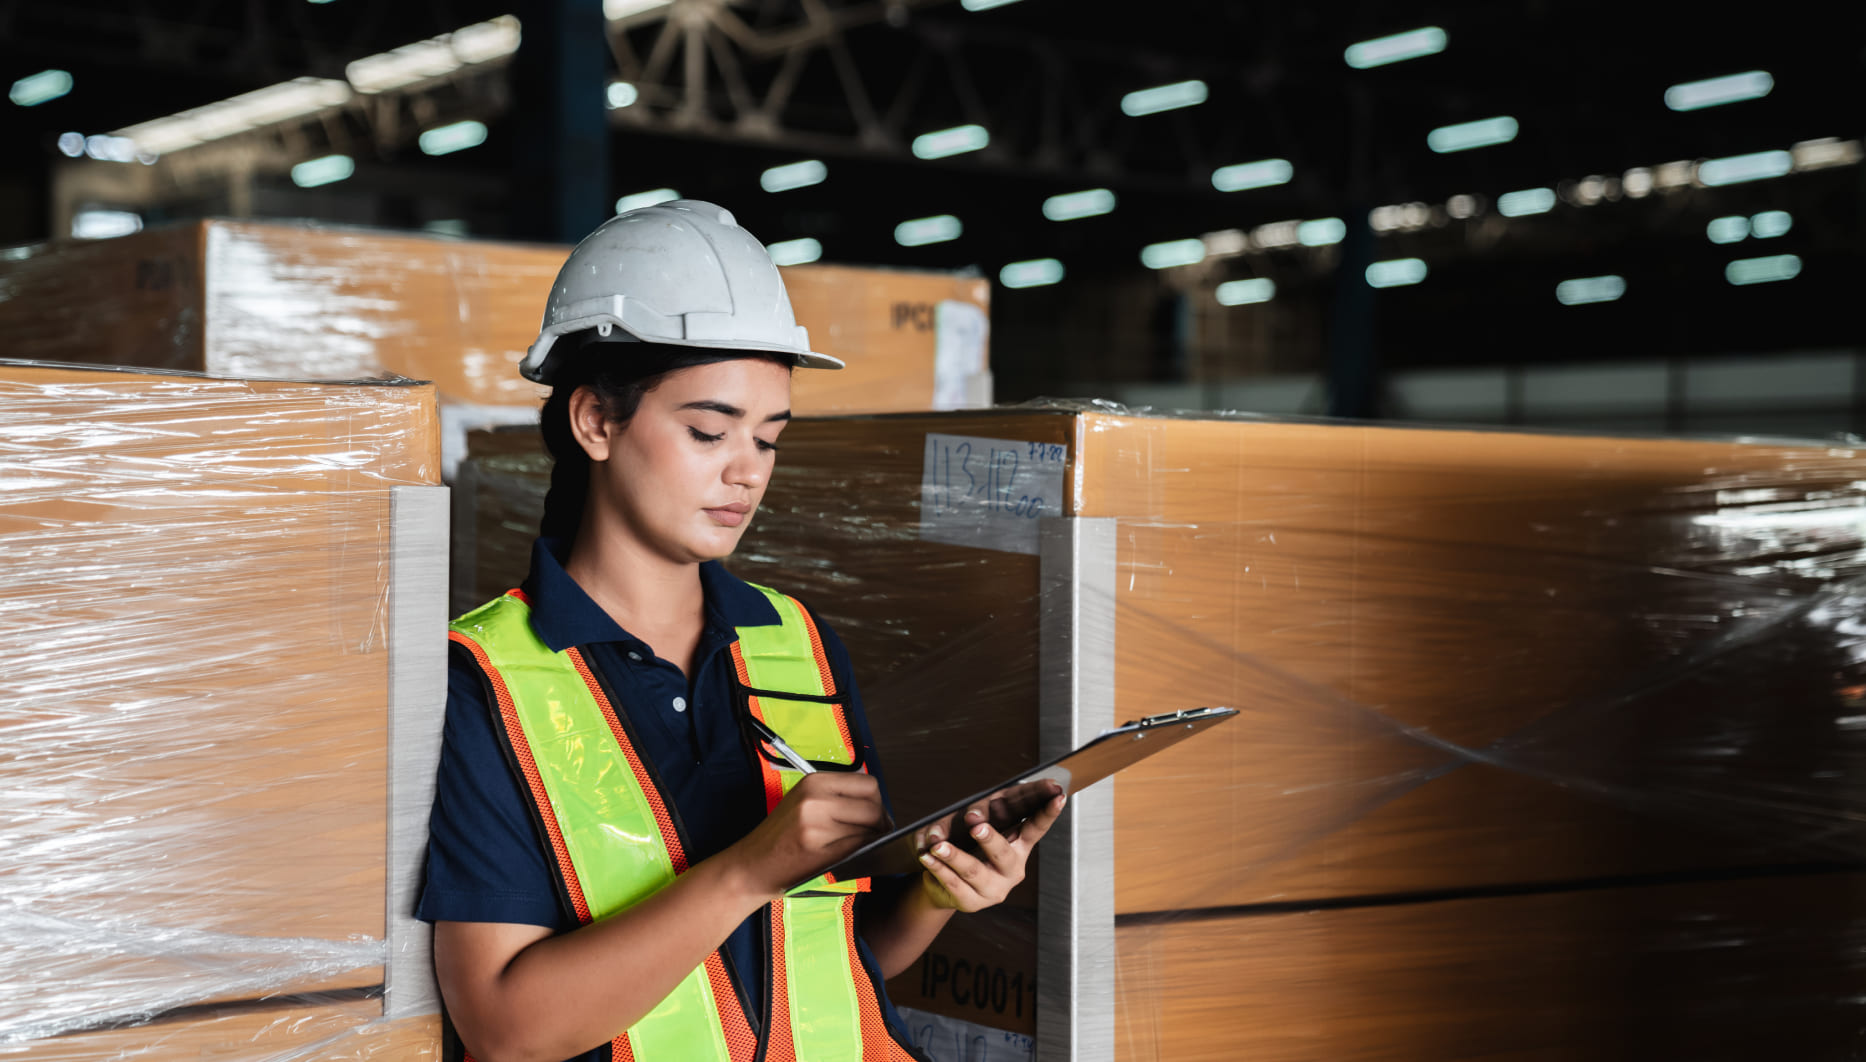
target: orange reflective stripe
780 1044
741 1041
829 678
528 766
774 783
669 836
878 1044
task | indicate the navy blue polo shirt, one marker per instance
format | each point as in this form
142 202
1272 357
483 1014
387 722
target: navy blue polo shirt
486 862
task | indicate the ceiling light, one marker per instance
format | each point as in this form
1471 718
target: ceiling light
1396 272
1276 234
1733 229
1172 253
1247 175
437 57
1771 223
1528 201
71 145
793 175
645 199
948 142
1825 152
447 139
287 100
983 5
1637 182
110 148
1321 232
621 94
1245 292
1762 270
1225 242
921 231
1032 274
1583 290
1072 206
104 224
327 170
1736 169
1163 98
1467 135
1400 46
795 252
42 87
1717 91
620 9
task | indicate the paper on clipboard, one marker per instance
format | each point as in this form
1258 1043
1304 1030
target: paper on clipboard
1017 798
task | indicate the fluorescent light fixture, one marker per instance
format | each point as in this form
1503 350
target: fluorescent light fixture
620 9
1245 292
1225 242
1485 132
1073 205
945 143
794 175
104 224
1247 175
1736 169
645 199
1734 229
1172 253
298 98
437 57
1526 202
1637 182
447 139
110 148
922 231
1583 290
795 252
1321 232
453 228
621 94
327 170
1771 223
1032 274
1163 98
1825 152
1717 91
1396 272
1276 234
42 87
71 145
1400 46
1762 270
983 5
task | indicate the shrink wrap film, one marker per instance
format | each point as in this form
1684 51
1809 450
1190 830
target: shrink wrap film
203 654
1550 746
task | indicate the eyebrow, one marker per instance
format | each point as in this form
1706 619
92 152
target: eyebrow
711 406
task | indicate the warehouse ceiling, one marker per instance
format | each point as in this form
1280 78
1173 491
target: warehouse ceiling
715 93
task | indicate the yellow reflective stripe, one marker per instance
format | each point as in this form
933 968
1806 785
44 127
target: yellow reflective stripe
826 1020
682 1026
783 658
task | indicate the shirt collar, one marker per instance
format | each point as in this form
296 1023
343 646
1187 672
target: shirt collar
563 615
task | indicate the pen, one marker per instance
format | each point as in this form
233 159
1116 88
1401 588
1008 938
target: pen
784 750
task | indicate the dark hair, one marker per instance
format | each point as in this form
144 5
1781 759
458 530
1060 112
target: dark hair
619 374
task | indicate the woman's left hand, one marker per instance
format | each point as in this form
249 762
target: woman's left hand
964 882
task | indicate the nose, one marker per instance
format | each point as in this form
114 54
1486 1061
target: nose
749 467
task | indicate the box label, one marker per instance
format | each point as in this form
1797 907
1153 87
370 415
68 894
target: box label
989 493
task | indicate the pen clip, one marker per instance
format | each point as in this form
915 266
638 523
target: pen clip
790 755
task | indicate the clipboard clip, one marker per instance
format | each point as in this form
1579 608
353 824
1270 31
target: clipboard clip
1184 715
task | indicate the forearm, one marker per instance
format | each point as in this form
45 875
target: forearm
899 932
569 993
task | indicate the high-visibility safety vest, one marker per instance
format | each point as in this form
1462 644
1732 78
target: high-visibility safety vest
615 838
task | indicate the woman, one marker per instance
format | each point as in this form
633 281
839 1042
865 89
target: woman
621 817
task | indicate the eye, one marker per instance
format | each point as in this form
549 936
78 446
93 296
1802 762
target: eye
767 447
700 436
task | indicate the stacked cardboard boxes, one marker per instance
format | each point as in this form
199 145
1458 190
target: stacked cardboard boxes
202 659
1545 747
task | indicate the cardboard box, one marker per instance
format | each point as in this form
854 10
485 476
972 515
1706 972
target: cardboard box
338 1031
247 299
198 686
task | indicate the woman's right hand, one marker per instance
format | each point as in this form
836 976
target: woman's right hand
824 817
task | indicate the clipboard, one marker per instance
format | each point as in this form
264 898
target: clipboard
1017 798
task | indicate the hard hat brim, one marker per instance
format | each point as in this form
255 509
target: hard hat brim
540 362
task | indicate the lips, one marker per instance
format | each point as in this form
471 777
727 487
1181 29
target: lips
730 515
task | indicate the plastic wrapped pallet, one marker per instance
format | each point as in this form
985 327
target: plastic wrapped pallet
221 715
249 299
1550 746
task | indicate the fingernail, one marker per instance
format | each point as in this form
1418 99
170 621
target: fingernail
934 834
941 850
1062 800
980 831
975 815
926 859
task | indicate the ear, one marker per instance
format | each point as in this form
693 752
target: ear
593 429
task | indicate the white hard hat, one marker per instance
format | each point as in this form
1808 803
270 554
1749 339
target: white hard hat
681 273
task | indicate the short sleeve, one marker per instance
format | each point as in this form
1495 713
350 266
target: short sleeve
485 862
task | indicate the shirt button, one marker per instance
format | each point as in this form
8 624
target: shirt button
635 656
680 704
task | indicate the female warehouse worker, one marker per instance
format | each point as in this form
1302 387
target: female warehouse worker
615 833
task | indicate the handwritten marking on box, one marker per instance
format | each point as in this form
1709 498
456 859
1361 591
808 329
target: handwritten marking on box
989 493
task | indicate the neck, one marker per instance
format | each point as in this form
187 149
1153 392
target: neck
643 591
